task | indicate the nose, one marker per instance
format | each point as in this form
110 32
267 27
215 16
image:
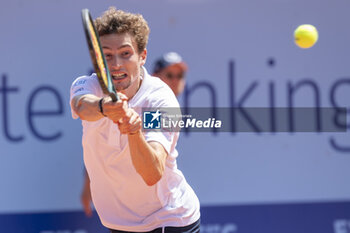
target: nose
115 63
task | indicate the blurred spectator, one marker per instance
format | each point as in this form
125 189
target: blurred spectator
172 70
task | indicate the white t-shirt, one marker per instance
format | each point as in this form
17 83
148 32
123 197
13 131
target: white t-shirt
121 197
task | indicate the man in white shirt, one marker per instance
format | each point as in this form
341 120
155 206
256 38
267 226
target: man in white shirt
134 180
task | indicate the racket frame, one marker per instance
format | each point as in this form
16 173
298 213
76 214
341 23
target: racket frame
97 57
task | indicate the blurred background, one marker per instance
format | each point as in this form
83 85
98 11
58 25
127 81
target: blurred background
240 53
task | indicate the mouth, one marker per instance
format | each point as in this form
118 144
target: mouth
119 76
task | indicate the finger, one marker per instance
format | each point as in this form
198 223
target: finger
133 118
133 125
124 130
134 128
129 118
126 127
116 111
129 113
122 96
86 206
123 126
137 124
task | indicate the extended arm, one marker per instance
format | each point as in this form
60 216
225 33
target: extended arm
148 158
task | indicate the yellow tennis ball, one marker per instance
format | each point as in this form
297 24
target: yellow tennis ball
305 36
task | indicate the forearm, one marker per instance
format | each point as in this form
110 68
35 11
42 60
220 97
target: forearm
87 107
147 158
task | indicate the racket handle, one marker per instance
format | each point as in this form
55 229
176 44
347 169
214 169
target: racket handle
114 96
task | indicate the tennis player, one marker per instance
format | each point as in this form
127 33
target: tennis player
171 69
134 180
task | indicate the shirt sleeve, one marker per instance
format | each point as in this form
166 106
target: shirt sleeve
82 86
164 99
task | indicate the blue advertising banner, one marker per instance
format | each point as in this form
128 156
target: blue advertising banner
331 217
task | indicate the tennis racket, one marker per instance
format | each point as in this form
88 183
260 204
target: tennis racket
97 57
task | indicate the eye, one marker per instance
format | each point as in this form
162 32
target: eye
108 56
125 53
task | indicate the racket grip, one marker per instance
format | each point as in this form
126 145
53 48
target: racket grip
114 96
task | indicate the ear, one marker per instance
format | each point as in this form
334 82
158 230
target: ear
143 57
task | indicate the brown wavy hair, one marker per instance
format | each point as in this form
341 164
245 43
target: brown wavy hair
119 21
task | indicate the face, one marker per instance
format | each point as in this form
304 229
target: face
124 61
174 76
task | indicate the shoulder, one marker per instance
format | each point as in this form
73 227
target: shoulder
84 80
155 86
156 83
85 85
160 92
153 92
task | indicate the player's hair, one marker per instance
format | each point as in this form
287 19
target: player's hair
118 21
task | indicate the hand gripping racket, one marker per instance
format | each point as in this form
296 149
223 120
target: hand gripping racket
97 56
